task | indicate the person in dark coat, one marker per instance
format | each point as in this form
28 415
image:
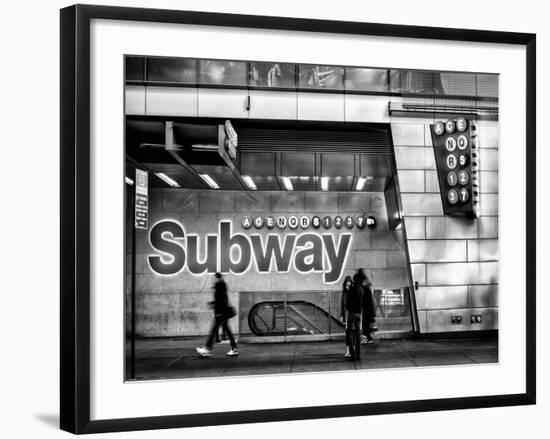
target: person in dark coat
354 300
368 310
346 287
222 313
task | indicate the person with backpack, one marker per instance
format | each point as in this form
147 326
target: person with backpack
368 317
222 313
354 300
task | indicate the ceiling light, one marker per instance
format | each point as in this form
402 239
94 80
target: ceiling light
129 181
210 181
287 183
360 183
167 179
249 182
324 183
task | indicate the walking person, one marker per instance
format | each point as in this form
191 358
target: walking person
354 299
368 310
222 313
346 287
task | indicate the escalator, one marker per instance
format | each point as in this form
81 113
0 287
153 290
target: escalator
299 318
296 319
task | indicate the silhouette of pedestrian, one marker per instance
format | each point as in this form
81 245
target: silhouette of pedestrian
222 313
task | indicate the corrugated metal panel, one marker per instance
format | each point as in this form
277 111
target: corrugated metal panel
321 141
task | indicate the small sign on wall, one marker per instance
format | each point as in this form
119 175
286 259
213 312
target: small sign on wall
142 200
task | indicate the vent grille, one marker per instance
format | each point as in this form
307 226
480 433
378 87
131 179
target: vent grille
315 141
450 89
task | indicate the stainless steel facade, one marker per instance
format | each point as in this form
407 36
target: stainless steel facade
454 260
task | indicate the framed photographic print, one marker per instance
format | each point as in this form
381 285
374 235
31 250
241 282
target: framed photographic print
258 212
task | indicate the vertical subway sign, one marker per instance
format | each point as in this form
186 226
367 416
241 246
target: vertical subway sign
457 159
142 200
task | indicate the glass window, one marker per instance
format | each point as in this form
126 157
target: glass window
422 82
321 77
172 70
135 68
366 79
457 84
222 72
272 75
395 81
487 85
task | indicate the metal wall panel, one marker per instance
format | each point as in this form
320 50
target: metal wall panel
483 250
374 203
415 227
375 165
421 204
134 100
483 295
432 182
411 181
362 108
419 273
440 321
422 321
323 202
461 228
487 134
389 277
223 103
408 134
414 157
442 297
297 164
462 273
488 204
396 259
171 101
488 182
370 259
381 240
337 164
287 202
488 159
273 105
437 251
428 141
321 106
258 163
488 227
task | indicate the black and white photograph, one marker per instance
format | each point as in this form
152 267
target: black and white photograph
295 218
274 220
284 218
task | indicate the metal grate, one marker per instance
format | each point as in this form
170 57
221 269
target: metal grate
449 89
315 141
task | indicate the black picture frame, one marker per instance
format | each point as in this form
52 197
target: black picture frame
75 217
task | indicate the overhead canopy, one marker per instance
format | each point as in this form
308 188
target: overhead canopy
267 152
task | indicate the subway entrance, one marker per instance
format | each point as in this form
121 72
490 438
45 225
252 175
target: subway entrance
284 210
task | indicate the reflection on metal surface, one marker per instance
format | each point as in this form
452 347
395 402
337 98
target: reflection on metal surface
272 75
366 79
314 76
222 72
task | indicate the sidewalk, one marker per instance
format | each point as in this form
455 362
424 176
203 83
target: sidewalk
169 358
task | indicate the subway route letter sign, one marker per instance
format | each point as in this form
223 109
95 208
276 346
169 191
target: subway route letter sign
456 152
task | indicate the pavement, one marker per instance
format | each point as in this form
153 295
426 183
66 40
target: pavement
172 358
